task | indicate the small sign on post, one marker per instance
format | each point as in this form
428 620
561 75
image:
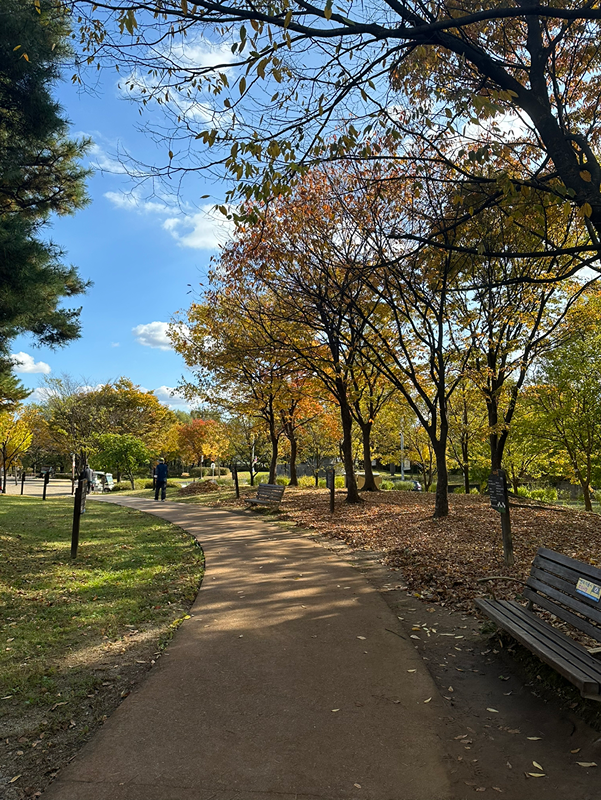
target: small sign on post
499 500
331 485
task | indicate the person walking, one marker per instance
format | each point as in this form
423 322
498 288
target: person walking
161 473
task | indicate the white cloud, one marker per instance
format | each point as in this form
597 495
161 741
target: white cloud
115 344
205 230
153 334
24 363
132 201
168 396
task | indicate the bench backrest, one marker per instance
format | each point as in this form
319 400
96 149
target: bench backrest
269 491
568 588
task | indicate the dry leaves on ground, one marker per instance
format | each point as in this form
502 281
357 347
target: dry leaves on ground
442 559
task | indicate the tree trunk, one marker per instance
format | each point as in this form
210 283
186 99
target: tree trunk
293 452
441 507
274 455
370 483
347 449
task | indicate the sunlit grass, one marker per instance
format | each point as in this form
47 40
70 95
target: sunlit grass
132 570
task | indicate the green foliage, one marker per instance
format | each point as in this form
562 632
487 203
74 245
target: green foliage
40 174
282 480
306 482
121 453
548 494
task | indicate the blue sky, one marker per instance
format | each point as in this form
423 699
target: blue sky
144 254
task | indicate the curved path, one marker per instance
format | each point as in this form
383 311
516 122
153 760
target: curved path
290 681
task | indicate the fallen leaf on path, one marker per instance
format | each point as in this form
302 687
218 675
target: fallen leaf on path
537 765
357 785
536 739
411 670
362 638
535 774
334 710
428 700
577 750
492 710
496 788
586 763
16 778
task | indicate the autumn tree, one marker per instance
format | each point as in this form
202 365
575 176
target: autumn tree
566 397
234 366
15 438
504 96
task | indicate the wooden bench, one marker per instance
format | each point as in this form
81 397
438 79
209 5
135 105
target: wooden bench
268 494
570 590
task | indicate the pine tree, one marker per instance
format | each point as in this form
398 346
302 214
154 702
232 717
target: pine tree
40 175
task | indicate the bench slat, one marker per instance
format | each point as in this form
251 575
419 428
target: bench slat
585 570
267 494
567 587
563 613
571 649
543 567
572 602
537 643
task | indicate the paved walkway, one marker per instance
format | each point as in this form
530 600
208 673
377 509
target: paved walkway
290 682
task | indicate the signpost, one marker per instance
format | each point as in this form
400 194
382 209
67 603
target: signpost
499 500
22 480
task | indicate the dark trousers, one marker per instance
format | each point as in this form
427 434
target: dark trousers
162 486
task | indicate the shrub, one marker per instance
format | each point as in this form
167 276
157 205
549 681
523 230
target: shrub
123 486
149 485
64 475
196 472
306 482
474 491
403 486
282 480
185 474
547 495
387 485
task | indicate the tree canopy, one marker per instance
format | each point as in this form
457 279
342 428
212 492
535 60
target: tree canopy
40 175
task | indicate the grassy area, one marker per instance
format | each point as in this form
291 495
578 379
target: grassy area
63 618
223 493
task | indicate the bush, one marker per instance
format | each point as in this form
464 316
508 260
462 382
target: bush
474 491
306 482
123 486
196 472
64 475
282 480
403 486
387 485
547 495
150 485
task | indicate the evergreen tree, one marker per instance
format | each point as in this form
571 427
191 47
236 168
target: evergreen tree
40 174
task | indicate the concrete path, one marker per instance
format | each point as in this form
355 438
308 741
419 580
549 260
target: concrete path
291 681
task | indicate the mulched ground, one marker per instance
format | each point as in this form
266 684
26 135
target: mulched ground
442 559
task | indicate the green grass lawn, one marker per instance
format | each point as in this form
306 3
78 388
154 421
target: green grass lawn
133 573
223 493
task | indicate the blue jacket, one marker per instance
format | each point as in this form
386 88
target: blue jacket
161 472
